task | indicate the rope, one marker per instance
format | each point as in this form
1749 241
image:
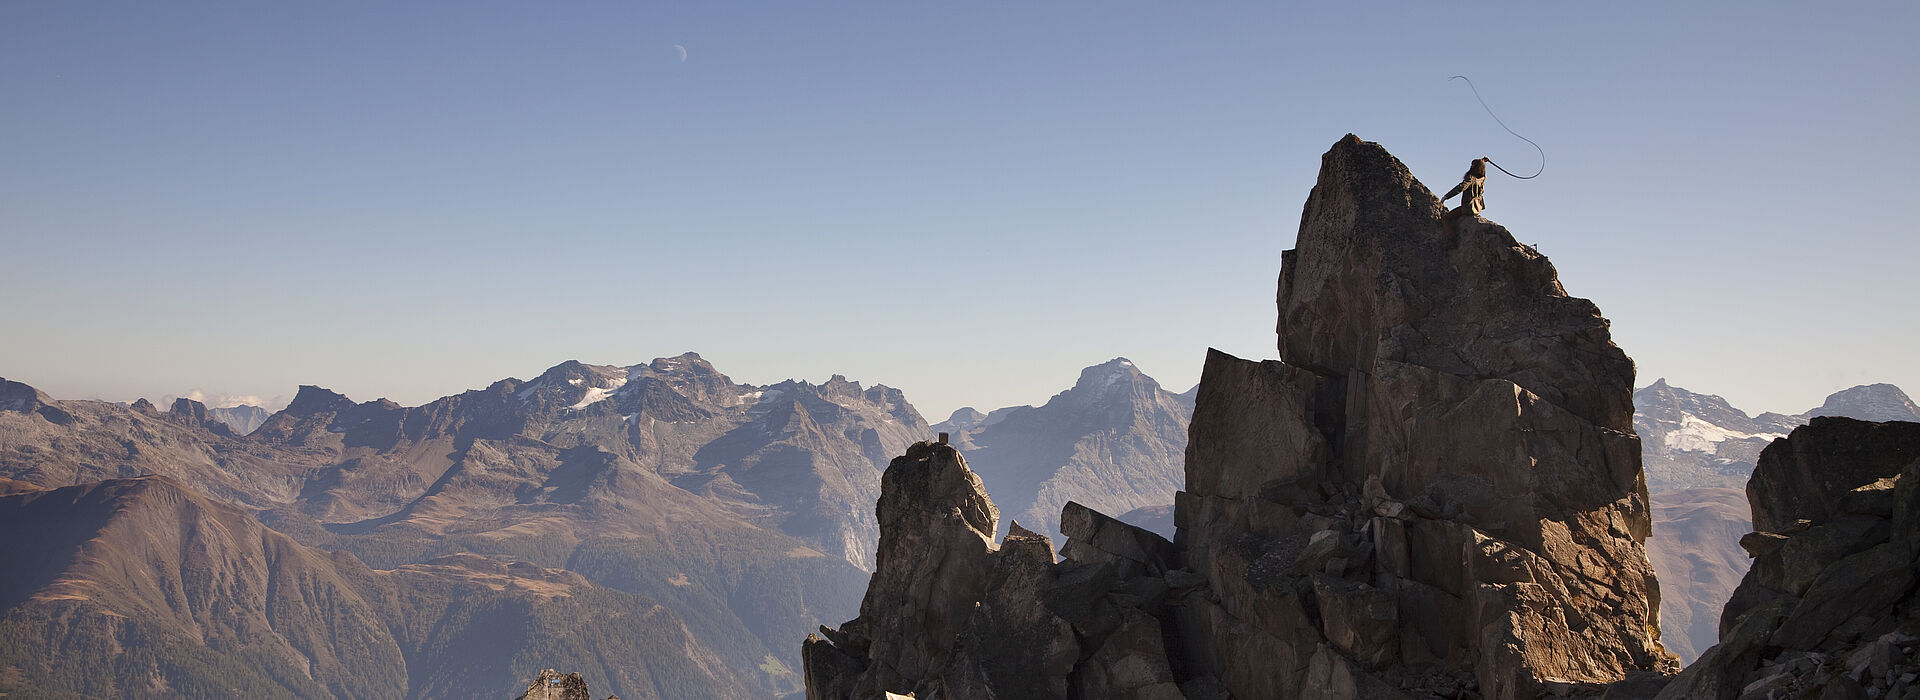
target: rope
1503 125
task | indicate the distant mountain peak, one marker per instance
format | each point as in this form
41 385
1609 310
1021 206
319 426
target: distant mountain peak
313 400
16 396
1115 371
681 362
1872 402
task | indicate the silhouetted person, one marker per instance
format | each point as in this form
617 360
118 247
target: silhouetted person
1472 189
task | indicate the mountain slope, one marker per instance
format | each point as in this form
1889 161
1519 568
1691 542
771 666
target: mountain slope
1699 440
1695 547
744 511
141 587
144 588
1114 442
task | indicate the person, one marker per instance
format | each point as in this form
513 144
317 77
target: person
1472 190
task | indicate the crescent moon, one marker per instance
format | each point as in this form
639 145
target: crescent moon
682 50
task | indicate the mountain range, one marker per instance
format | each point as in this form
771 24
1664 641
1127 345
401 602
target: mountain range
1695 440
660 522
725 517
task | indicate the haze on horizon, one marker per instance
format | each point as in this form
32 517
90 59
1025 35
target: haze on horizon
967 203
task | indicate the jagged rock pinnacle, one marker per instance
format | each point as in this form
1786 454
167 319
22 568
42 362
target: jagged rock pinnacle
1436 489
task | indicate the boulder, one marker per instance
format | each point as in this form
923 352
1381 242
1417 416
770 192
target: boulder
1821 464
1095 537
552 685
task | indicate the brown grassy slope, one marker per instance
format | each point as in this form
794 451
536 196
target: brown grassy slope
1696 551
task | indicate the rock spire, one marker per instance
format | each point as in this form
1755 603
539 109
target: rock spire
1436 492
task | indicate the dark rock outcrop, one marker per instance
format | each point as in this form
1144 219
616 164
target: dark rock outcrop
194 414
21 398
551 685
1437 493
1440 474
1829 608
951 615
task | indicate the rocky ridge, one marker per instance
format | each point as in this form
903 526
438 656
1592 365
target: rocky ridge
1829 608
1436 493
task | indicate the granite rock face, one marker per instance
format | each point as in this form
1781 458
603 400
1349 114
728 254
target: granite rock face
1440 477
1829 608
950 614
1436 493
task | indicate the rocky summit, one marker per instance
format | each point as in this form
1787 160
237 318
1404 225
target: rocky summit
1435 493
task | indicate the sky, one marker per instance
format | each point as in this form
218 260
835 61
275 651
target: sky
968 201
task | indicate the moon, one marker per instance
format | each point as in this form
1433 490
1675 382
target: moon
682 50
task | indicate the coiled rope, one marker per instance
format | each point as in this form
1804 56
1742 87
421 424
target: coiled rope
1503 125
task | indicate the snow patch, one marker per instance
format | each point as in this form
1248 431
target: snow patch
1697 435
597 394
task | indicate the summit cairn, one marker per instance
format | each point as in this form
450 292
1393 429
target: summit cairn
1435 493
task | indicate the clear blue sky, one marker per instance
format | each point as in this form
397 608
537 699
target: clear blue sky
969 201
